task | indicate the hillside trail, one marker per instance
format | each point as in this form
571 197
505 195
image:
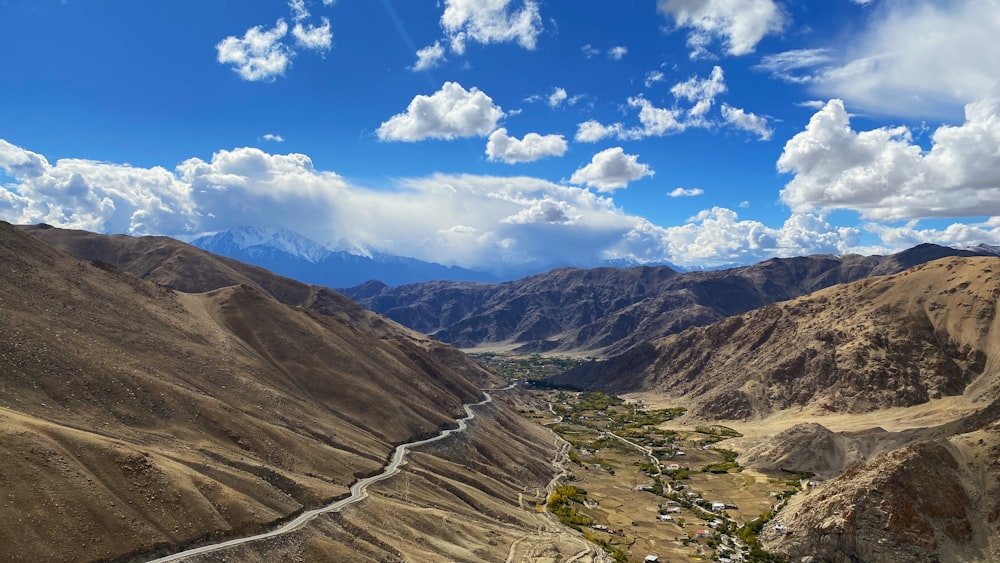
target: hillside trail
359 490
552 540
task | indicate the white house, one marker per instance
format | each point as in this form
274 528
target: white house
718 507
651 559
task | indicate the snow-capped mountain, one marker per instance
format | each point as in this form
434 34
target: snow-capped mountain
251 241
293 255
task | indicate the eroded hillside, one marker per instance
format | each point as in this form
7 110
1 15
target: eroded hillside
889 341
138 418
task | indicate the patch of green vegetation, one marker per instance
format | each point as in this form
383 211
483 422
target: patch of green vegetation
724 467
535 367
718 430
561 503
748 534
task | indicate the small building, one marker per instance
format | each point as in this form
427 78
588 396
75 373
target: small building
651 559
779 528
701 533
673 466
718 507
666 518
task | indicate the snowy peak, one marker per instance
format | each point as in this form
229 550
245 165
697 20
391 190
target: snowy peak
251 241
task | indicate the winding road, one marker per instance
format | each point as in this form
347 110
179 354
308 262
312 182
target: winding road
359 490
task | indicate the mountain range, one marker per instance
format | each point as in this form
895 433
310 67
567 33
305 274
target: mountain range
290 254
605 311
155 396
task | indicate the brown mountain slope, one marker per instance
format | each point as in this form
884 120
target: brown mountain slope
889 341
177 265
935 500
609 310
135 416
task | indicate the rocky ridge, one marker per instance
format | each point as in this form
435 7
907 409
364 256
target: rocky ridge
605 311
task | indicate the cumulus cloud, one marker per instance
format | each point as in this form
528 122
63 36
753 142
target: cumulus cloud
655 121
86 194
701 91
617 52
273 138
429 57
259 54
654 76
591 131
590 51
316 38
489 222
738 24
747 121
490 21
883 175
557 97
685 192
610 170
504 148
718 237
449 113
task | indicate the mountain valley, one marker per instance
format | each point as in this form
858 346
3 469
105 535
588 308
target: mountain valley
139 418
157 397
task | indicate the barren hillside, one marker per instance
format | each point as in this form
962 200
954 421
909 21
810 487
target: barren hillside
881 342
136 417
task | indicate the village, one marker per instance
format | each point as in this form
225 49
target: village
648 490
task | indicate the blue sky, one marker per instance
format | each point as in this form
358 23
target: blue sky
500 133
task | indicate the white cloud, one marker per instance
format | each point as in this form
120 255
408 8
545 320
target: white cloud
610 170
299 10
557 97
590 51
717 237
450 112
812 104
316 38
86 194
542 211
490 21
591 131
273 138
685 192
473 221
790 65
532 147
429 57
883 175
617 52
747 121
654 76
738 24
956 234
917 59
259 54
655 121
701 91
262 55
